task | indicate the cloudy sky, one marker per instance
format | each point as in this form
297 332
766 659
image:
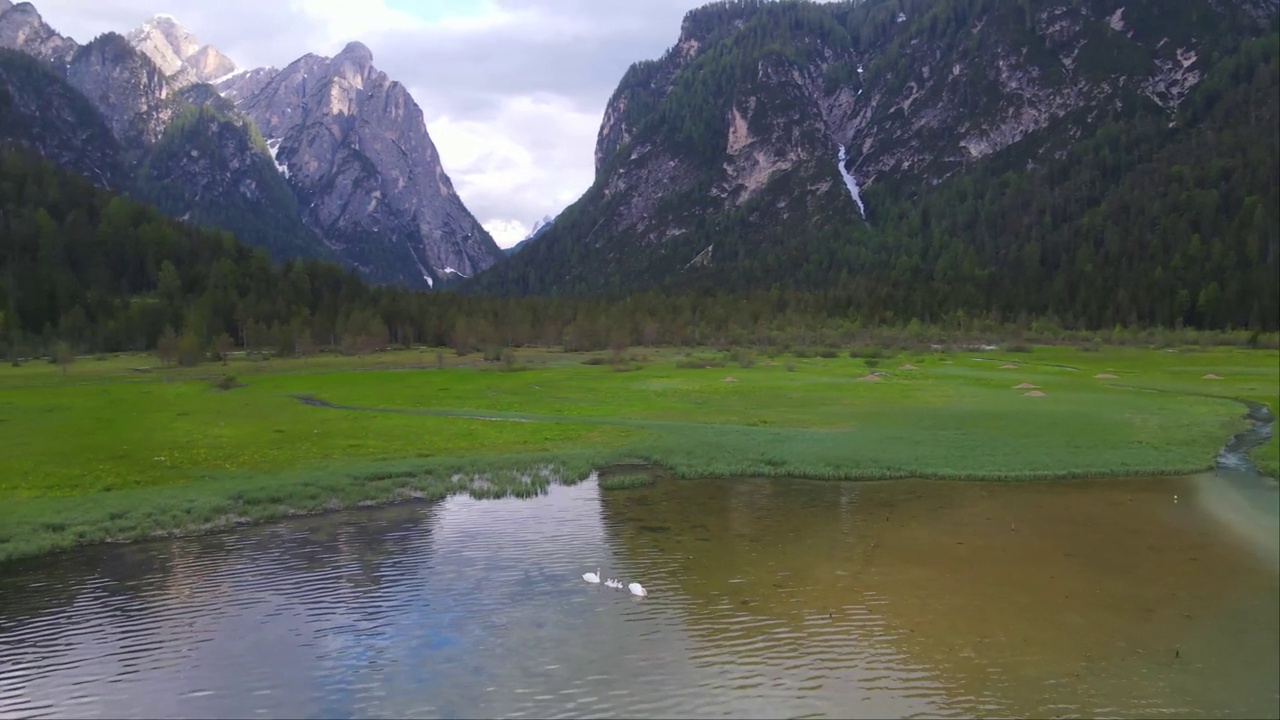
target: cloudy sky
513 90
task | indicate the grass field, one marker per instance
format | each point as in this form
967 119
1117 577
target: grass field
119 448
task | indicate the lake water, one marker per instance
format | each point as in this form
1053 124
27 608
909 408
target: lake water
769 598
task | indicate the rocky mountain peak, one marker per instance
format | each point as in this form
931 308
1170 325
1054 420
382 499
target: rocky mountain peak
178 53
355 60
22 29
356 151
165 41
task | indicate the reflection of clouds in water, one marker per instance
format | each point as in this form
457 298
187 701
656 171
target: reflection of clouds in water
1247 505
467 608
230 628
528 634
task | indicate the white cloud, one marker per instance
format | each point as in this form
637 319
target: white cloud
516 165
512 90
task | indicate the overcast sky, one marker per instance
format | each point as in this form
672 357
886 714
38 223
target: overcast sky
513 90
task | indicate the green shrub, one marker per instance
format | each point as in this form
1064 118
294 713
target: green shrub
226 382
699 363
867 351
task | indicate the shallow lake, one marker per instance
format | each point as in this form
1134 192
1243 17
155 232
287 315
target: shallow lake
769 598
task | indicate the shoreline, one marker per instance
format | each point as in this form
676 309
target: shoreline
175 517
283 445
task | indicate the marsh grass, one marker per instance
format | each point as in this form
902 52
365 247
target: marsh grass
108 454
625 481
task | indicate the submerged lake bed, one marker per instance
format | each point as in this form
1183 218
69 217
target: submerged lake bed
1150 597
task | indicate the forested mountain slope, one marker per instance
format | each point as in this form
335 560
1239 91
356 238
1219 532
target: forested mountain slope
1099 161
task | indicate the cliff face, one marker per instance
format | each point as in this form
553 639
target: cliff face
130 92
356 151
766 116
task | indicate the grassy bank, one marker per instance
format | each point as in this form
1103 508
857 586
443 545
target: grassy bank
119 449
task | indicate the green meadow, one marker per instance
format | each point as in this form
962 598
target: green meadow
118 448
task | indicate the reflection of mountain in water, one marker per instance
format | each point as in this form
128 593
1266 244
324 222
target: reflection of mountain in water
1031 599
190 623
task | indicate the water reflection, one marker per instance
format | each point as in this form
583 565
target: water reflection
1100 597
769 599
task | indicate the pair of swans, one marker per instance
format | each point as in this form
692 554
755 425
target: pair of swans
634 588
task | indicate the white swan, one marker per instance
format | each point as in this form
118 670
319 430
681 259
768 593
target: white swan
592 577
611 583
637 589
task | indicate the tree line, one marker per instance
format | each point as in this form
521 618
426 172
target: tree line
83 270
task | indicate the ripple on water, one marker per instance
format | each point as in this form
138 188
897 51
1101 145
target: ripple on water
767 599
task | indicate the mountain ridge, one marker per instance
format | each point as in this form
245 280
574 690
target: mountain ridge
732 160
372 193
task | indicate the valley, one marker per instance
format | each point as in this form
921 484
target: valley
907 357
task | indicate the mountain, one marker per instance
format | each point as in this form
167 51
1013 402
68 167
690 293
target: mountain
348 171
111 113
42 111
178 53
22 28
131 93
539 228
212 169
935 156
358 156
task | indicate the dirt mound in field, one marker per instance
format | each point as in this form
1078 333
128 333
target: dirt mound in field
1033 393
1026 386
